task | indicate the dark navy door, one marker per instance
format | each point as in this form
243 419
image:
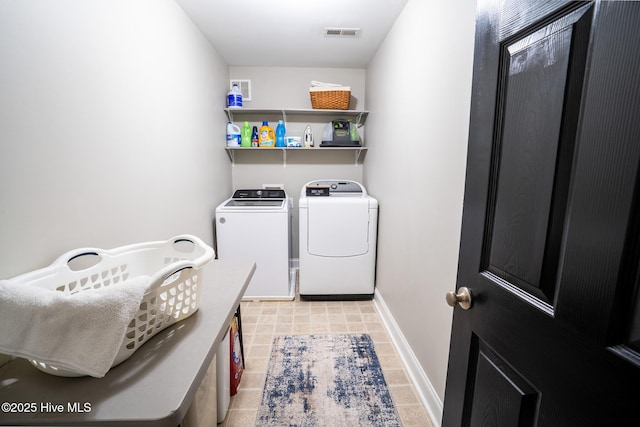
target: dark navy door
550 243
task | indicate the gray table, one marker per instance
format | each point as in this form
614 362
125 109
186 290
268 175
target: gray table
154 387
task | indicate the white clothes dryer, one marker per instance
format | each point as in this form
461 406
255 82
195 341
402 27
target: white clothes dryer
255 225
338 231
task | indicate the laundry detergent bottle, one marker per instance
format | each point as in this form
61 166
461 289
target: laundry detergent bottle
233 135
234 97
245 135
280 133
255 139
267 137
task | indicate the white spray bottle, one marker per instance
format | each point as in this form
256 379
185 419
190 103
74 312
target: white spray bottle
308 137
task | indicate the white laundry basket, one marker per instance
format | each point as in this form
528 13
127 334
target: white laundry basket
172 295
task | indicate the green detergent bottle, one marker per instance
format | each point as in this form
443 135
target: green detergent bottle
245 135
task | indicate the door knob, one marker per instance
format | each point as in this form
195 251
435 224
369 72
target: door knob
463 297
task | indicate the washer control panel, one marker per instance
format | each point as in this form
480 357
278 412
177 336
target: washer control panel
328 188
259 194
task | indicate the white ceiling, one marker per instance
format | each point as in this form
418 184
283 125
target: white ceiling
290 33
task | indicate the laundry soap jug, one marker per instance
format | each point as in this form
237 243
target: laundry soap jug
234 97
245 135
267 137
280 133
255 140
233 135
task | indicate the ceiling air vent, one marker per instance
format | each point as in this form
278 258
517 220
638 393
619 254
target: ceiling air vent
341 32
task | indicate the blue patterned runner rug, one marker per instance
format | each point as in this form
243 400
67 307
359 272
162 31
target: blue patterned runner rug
332 381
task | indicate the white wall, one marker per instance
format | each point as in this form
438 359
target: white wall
109 113
418 95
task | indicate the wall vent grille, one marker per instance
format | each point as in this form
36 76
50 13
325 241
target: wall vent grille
245 88
341 32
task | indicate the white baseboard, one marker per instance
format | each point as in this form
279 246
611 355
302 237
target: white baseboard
424 388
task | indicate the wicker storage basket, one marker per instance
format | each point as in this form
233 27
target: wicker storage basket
172 294
330 98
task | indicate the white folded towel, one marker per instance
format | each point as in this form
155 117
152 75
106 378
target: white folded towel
81 332
315 83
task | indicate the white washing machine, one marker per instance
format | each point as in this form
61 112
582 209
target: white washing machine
255 224
338 231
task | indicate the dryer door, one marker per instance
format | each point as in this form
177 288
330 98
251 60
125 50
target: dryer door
338 226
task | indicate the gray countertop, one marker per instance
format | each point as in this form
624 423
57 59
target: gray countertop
154 387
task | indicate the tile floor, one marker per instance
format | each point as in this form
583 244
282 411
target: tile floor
262 320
